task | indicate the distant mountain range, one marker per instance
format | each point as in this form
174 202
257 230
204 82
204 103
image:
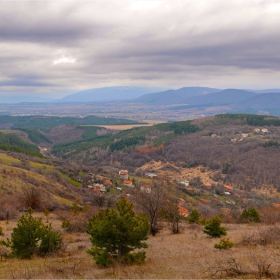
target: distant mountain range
171 96
109 94
246 101
265 101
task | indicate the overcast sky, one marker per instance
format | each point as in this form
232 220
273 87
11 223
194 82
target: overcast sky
57 47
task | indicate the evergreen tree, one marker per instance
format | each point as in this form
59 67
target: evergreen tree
213 228
31 235
251 215
194 216
116 233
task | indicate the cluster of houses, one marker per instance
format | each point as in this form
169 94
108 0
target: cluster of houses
242 136
100 185
128 183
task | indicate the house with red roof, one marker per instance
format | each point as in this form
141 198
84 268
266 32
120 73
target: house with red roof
128 183
228 188
146 188
123 174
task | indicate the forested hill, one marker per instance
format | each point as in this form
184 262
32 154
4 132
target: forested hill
42 122
9 142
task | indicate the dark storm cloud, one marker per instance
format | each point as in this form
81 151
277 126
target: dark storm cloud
45 22
79 45
25 81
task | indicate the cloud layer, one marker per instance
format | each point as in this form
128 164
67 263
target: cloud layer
67 46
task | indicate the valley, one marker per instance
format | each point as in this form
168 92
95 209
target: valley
219 165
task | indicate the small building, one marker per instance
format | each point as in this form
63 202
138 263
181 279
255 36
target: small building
123 174
128 183
184 183
151 175
78 179
146 188
107 183
184 211
99 178
228 188
264 130
230 202
257 130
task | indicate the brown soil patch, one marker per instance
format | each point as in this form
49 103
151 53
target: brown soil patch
178 173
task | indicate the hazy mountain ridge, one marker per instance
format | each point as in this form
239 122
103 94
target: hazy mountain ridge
174 96
265 100
223 97
108 94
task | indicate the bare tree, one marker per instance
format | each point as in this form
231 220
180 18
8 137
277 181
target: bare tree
31 198
172 215
152 203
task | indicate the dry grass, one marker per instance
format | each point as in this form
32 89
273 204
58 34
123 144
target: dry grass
189 255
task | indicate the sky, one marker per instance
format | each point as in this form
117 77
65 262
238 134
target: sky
53 48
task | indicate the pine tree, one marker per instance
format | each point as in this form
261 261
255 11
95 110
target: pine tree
251 215
213 228
116 233
31 235
194 216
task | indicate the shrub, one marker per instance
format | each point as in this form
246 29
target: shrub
251 215
1 231
213 228
31 235
116 233
66 224
224 243
75 208
31 198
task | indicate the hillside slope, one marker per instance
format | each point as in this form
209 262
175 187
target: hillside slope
19 173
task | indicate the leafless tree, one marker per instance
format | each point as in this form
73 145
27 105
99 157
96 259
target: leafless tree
31 198
152 203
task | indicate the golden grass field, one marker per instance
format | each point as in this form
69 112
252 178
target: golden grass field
188 255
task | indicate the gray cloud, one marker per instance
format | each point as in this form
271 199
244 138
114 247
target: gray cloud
57 46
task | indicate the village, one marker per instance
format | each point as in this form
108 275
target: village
195 189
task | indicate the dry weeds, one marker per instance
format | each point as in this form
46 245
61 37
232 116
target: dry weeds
189 255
